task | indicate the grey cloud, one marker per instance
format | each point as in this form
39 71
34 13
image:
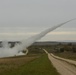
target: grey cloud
36 15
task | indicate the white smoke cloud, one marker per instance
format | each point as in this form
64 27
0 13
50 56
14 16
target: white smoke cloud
6 51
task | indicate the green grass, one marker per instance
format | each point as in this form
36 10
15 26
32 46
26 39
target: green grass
39 66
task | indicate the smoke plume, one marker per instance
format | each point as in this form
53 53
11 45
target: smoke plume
6 51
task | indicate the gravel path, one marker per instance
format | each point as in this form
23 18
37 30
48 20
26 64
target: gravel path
62 67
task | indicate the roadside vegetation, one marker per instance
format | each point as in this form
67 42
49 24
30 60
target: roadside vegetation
35 63
67 55
13 63
39 66
67 51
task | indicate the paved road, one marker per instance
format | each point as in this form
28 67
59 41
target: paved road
62 67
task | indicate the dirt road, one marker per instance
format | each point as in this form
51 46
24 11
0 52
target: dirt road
62 67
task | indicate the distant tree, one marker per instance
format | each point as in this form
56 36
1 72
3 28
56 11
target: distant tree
74 49
61 50
60 44
69 44
68 48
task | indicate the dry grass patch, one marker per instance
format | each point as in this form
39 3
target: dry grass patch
7 64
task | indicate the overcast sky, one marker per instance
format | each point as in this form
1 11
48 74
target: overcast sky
20 19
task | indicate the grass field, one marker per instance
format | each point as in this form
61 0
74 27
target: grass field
67 55
13 63
32 65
